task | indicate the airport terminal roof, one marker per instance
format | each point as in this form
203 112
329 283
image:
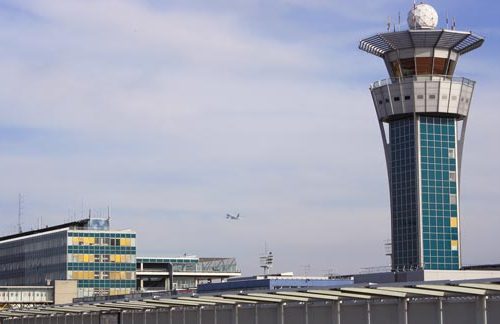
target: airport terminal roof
436 289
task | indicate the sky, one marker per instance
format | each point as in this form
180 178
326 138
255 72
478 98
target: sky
174 113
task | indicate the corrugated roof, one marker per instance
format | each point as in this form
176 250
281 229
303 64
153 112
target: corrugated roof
353 292
458 41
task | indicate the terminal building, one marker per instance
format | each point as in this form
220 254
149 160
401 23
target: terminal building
102 261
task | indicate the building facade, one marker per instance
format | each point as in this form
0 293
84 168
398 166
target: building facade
422 111
102 261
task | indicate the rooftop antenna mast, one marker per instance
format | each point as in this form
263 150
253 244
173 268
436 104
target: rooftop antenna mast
19 212
266 260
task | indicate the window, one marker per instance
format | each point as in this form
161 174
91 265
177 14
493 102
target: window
396 71
454 98
396 98
408 67
424 65
453 176
420 97
451 153
444 97
407 97
432 96
451 67
453 199
454 222
440 65
454 245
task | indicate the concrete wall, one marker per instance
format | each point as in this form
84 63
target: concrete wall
65 291
458 310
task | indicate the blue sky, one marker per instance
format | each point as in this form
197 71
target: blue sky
176 112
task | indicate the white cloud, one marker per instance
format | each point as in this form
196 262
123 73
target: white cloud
175 117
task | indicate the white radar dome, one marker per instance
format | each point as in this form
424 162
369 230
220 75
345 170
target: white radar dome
422 16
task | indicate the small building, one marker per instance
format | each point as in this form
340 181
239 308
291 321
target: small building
273 282
102 261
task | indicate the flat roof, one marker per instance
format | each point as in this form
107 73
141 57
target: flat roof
414 290
79 223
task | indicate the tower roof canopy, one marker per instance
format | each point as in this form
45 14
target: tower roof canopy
458 41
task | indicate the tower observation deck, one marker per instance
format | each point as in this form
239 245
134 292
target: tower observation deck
422 110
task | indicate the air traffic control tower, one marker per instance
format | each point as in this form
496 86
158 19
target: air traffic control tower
422 110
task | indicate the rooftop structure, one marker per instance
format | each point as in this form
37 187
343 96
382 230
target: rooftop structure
272 282
457 302
422 110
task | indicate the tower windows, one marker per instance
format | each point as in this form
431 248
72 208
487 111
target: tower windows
454 245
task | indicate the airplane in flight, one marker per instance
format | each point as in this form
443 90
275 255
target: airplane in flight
232 217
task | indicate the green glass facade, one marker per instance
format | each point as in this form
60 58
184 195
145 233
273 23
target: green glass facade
439 206
103 262
424 193
404 197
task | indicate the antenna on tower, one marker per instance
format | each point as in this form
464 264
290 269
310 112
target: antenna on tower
399 20
389 24
19 212
266 260
447 22
453 24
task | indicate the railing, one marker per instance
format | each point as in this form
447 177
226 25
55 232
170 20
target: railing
433 77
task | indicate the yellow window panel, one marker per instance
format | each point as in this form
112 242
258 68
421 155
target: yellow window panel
454 245
91 258
91 240
125 242
85 258
122 275
454 222
118 258
74 240
80 257
112 258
